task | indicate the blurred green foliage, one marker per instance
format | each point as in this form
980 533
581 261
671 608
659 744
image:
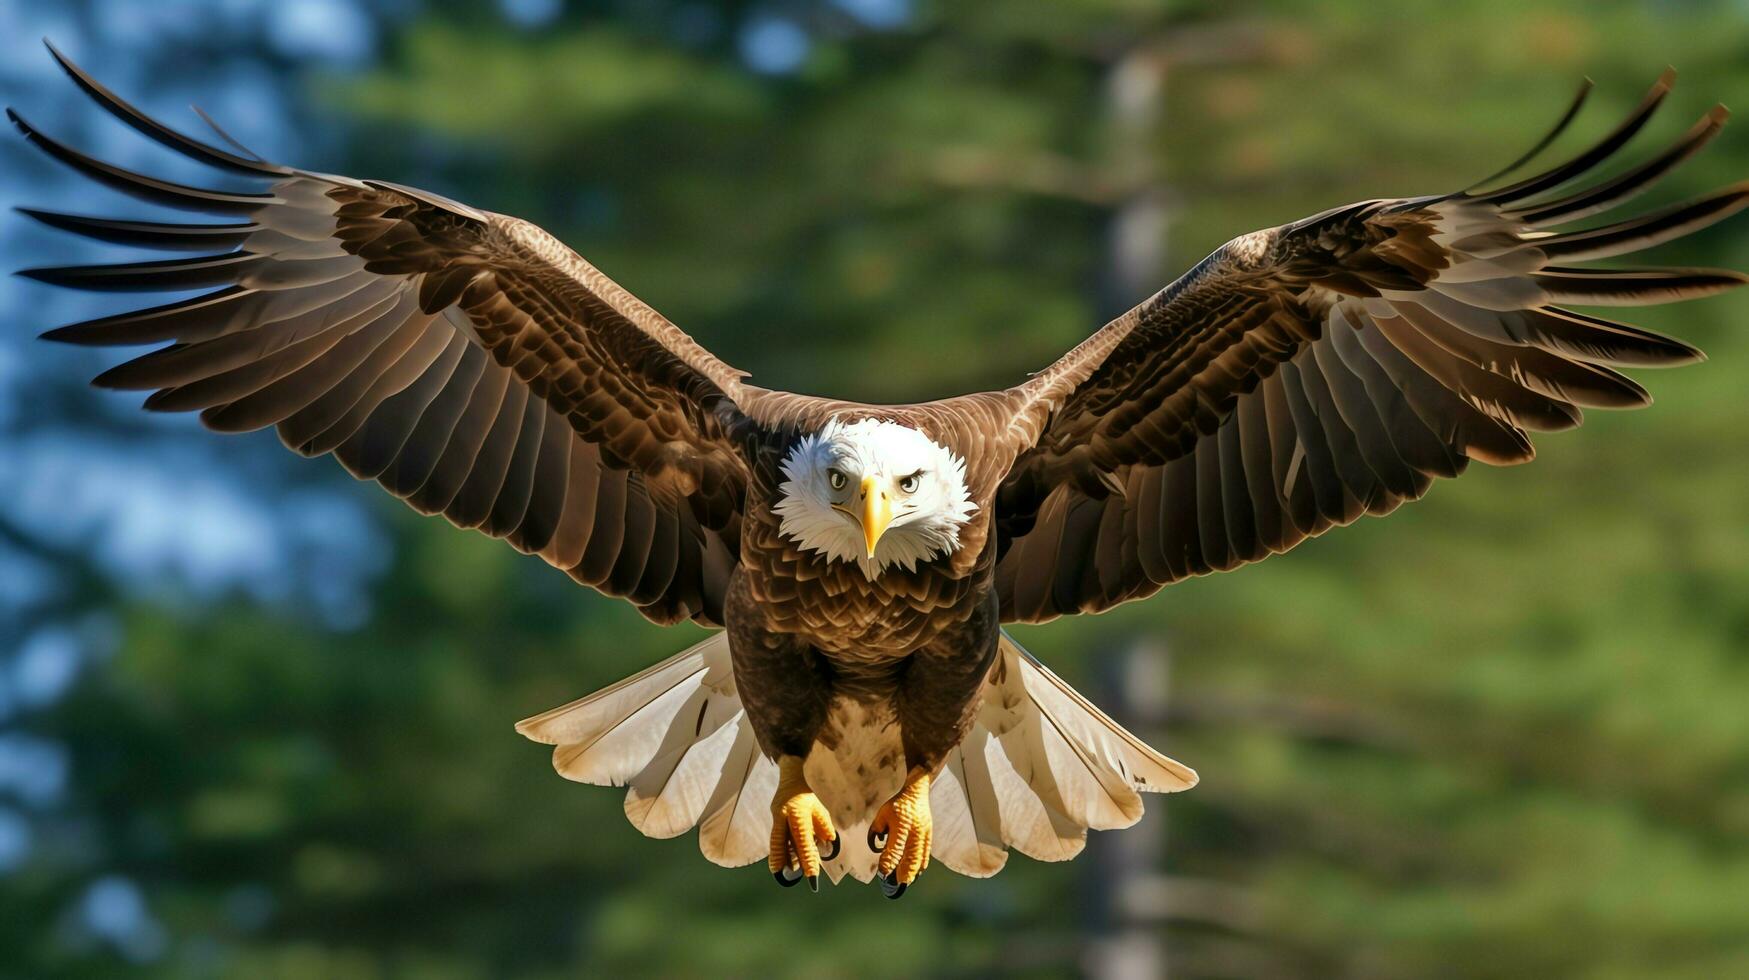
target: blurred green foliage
1502 734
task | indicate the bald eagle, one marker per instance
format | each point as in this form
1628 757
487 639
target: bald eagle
861 560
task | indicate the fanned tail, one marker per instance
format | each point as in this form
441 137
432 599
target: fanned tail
676 736
1039 768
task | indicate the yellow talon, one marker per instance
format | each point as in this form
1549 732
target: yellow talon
799 822
905 822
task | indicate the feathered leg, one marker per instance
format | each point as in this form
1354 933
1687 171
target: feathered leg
936 701
786 689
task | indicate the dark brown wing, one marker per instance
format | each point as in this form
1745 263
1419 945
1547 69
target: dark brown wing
1305 375
466 361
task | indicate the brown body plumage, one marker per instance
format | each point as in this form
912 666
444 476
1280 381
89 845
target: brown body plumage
1298 378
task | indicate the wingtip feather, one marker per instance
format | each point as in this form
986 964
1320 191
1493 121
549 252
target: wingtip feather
116 106
1577 103
66 335
49 275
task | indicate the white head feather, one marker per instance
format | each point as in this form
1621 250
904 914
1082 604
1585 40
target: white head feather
926 521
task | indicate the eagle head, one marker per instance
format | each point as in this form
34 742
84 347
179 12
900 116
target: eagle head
874 492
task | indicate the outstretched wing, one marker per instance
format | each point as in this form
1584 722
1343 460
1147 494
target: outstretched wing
466 361
1303 376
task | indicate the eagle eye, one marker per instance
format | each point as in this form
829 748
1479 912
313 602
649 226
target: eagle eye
836 478
909 483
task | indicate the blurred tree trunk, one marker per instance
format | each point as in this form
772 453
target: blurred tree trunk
1125 885
1127 894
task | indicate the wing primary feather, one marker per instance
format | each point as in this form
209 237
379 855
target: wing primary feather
214 392
186 363
1454 421
1578 102
1603 341
1633 287
1544 372
1490 393
229 140
288 393
1599 151
149 189
228 310
1647 230
1629 184
155 324
148 234
196 272
186 145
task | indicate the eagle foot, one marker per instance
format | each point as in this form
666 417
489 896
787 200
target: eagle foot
799 824
901 831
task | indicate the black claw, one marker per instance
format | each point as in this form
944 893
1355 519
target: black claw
782 881
814 884
836 841
877 842
890 886
788 876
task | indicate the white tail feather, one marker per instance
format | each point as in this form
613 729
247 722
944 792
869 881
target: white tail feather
736 829
1040 766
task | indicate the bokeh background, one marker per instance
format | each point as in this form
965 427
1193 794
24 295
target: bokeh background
255 719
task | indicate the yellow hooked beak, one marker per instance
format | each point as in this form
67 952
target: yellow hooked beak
877 512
